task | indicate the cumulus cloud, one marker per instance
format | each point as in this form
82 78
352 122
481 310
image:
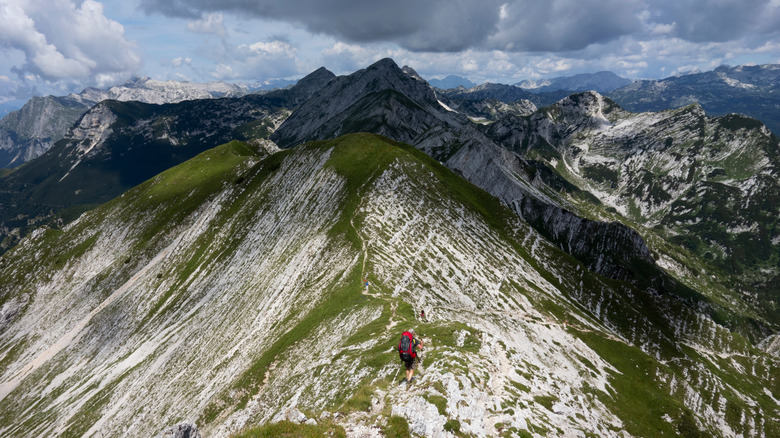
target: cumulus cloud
63 40
507 25
259 60
346 58
181 60
210 24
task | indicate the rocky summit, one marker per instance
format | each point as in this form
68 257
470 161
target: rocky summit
576 264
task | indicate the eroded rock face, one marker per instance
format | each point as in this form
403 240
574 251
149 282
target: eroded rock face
93 129
609 249
11 309
181 430
27 133
710 184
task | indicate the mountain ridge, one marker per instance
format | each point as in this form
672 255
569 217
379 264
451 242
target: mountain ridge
120 144
520 337
33 129
529 188
602 82
749 90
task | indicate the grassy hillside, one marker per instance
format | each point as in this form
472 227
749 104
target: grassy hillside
228 291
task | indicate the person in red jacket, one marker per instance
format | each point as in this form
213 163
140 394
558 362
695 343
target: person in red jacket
410 356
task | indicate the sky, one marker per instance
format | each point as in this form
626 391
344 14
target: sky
62 46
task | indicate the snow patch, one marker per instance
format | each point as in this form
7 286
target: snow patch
443 105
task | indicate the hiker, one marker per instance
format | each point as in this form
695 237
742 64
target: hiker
408 352
422 315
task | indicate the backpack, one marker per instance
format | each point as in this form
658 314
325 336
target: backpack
406 347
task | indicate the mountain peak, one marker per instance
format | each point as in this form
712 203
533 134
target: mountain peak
411 72
321 72
587 106
451 81
384 63
318 78
326 115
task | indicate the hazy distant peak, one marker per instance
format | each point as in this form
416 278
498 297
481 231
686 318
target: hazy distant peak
451 81
603 81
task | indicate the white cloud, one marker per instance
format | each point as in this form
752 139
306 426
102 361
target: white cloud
271 48
503 14
657 29
549 65
210 24
223 71
179 61
63 40
470 65
259 60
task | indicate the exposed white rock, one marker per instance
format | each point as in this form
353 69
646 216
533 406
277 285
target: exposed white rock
94 128
182 430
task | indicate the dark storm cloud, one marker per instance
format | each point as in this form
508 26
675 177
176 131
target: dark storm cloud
510 25
435 25
564 25
715 21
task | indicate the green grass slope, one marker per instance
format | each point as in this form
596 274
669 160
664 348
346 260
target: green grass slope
228 291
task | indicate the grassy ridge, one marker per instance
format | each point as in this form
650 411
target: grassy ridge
237 170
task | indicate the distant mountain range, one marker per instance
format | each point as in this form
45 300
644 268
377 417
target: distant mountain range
116 145
602 82
451 81
750 90
32 130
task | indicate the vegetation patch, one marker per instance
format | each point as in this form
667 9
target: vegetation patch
361 400
438 401
546 400
637 398
397 427
601 173
288 429
453 426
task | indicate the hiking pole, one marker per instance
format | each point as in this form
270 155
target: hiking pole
396 374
